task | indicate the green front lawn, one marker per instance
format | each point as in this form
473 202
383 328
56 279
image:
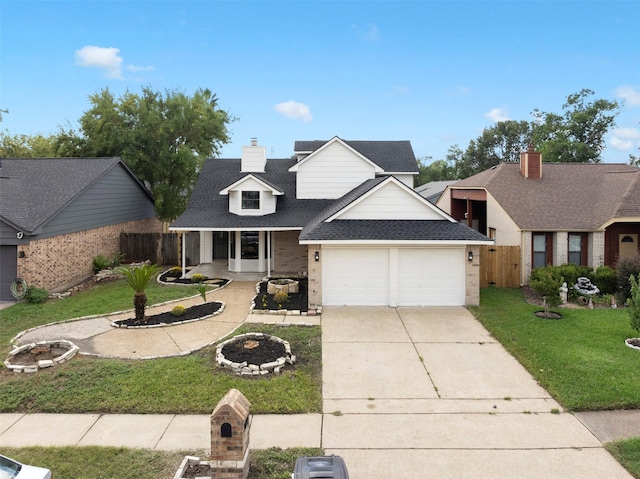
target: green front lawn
116 463
627 452
581 359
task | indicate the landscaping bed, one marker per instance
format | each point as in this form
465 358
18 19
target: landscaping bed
264 301
192 313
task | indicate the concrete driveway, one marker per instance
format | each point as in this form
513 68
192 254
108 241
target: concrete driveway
427 392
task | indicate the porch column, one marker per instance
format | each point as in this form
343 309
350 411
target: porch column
268 253
184 256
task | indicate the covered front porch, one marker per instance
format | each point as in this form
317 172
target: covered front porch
243 252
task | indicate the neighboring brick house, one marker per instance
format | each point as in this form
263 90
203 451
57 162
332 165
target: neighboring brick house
342 212
57 214
558 213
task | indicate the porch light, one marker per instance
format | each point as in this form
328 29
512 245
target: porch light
317 255
470 257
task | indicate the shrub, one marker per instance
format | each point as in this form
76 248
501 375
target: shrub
625 268
101 262
546 285
178 310
281 297
202 289
198 278
634 304
604 277
36 295
176 269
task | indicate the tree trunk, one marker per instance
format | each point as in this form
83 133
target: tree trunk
139 303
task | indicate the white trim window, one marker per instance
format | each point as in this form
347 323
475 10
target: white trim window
250 200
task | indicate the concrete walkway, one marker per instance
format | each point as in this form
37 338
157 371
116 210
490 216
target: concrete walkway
408 392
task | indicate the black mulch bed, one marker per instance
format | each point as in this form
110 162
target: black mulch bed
170 277
548 314
254 351
192 313
298 301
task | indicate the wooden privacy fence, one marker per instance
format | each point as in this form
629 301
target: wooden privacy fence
500 266
160 248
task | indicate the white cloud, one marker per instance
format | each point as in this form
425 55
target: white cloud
370 33
295 111
107 59
497 114
630 94
624 138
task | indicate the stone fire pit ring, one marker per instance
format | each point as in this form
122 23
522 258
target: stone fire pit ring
248 369
64 349
289 286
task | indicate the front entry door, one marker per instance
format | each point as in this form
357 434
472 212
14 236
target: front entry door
628 246
220 245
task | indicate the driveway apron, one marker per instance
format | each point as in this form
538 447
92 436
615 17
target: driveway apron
427 392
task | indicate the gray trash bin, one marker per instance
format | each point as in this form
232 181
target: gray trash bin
320 467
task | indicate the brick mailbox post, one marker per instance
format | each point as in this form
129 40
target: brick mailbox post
230 424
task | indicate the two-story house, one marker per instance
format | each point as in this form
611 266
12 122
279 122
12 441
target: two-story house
342 212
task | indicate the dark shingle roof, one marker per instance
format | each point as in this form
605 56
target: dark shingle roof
569 196
391 156
33 190
208 209
391 230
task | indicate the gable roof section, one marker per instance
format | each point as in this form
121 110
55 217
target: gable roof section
208 210
34 190
326 225
568 197
391 156
263 181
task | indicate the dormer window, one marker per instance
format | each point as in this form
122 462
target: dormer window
250 200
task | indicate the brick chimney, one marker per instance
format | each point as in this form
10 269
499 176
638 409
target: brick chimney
531 163
254 158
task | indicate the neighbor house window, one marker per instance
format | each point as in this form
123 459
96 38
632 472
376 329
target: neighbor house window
542 249
250 200
577 249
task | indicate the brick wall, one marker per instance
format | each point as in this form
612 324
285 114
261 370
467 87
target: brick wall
472 277
60 262
289 255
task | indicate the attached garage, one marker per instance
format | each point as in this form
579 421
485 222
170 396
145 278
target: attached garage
393 276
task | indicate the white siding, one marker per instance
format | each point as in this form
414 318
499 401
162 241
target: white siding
206 247
254 158
406 179
267 199
330 174
391 202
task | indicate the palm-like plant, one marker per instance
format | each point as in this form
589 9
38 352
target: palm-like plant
138 278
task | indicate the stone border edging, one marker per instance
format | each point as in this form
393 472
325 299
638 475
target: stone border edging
71 348
246 369
632 346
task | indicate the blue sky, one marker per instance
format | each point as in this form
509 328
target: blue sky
433 72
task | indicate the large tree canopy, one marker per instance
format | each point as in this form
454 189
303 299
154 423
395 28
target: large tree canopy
575 136
163 138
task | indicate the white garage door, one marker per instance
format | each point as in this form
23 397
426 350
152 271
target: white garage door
431 277
355 276
393 276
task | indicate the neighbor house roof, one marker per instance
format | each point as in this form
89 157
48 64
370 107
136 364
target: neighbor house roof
33 190
433 189
207 209
569 196
391 156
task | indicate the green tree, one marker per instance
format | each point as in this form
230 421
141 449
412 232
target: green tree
138 278
634 304
576 136
25 146
163 138
438 170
